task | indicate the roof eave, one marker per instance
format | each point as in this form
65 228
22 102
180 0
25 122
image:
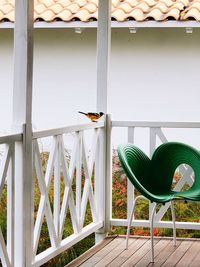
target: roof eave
115 24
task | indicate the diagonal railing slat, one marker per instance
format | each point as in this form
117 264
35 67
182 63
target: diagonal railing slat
44 205
11 204
68 197
3 252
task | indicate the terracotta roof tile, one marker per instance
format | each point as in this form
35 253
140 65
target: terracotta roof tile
126 7
74 8
132 3
144 7
40 8
195 5
83 15
151 3
122 10
156 14
65 15
137 14
193 13
173 13
64 3
168 3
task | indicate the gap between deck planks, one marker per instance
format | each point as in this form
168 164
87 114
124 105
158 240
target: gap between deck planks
111 252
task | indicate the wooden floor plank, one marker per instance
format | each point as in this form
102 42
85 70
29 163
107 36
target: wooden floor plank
132 248
115 252
111 253
102 253
165 253
177 254
89 253
160 246
141 252
196 261
190 255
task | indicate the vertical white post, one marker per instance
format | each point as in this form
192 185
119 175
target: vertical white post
79 178
108 174
152 142
57 190
22 120
103 180
130 188
103 54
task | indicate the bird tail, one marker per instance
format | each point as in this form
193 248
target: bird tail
82 112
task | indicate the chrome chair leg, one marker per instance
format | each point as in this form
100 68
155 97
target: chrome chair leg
129 223
174 224
151 228
131 217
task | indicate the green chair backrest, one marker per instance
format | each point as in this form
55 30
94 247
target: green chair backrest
156 175
136 165
167 158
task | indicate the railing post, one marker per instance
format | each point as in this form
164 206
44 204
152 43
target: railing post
103 54
130 187
22 121
152 147
108 174
103 182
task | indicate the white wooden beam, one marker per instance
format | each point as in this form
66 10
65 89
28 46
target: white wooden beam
22 121
103 52
115 24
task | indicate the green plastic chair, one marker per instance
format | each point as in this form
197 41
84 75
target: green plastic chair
153 177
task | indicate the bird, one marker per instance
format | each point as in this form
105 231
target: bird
93 116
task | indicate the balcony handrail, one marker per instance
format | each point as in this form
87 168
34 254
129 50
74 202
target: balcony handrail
68 129
8 138
155 124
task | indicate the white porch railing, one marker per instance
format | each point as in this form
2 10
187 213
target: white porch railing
156 136
82 179
80 165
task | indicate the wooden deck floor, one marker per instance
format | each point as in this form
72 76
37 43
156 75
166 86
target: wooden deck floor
111 252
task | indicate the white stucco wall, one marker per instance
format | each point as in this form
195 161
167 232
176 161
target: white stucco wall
154 75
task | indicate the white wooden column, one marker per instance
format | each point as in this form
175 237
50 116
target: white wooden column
103 54
22 121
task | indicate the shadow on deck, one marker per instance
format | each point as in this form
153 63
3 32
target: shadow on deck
111 252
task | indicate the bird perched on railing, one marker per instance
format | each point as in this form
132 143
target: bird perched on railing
93 116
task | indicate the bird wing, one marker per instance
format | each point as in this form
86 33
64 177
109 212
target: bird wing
93 114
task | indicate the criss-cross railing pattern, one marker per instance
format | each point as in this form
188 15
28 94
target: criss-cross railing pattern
79 176
156 137
7 195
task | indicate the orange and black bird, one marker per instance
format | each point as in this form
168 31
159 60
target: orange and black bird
93 116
